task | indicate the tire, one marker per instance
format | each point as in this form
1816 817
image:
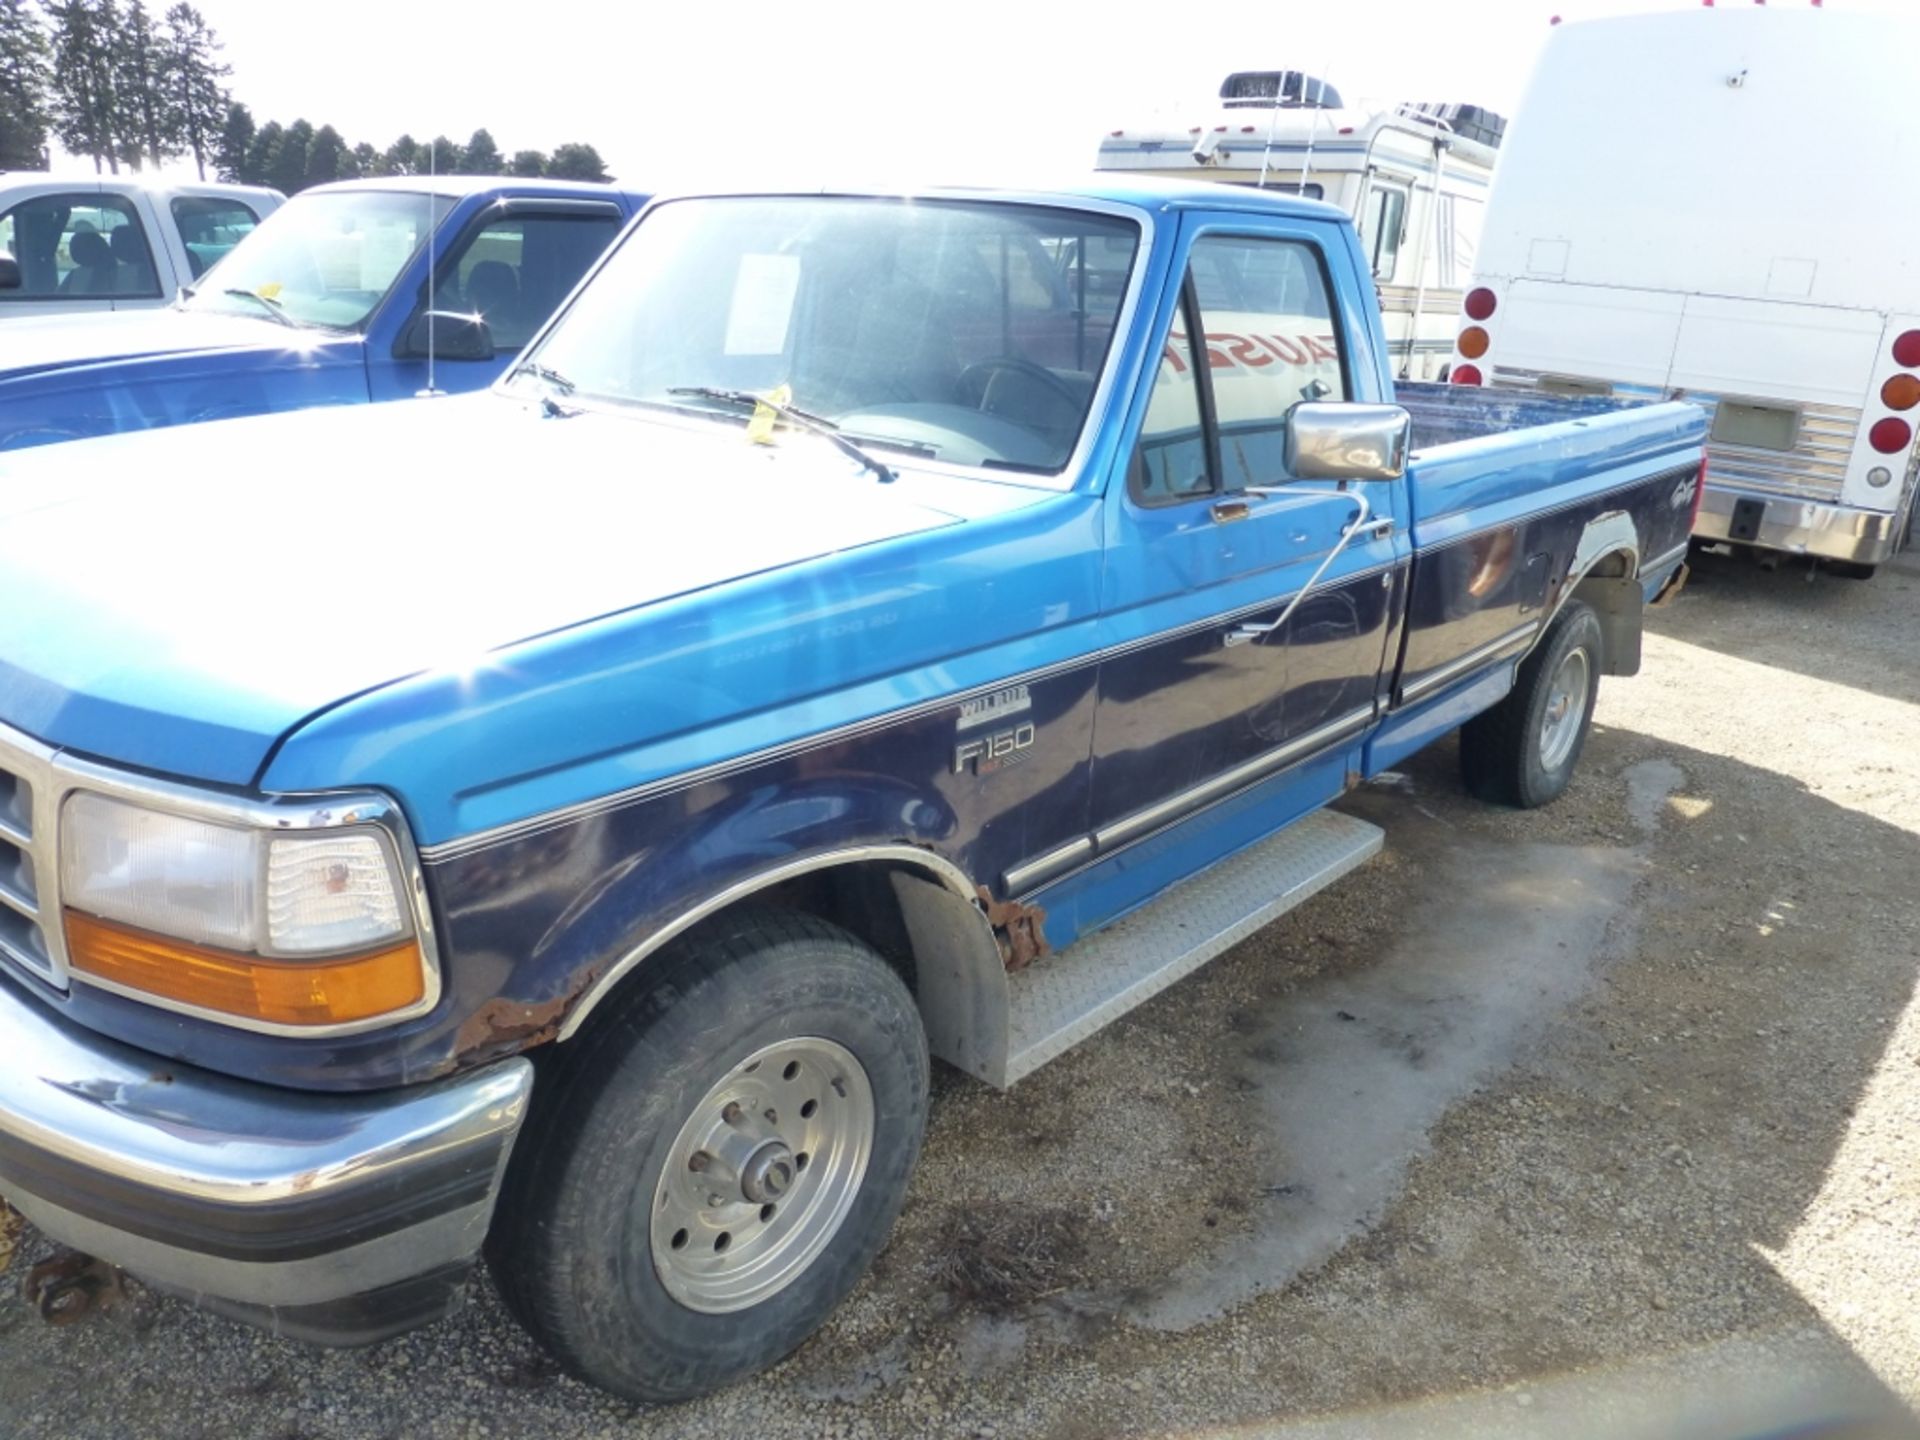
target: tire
1521 752
1851 570
610 1158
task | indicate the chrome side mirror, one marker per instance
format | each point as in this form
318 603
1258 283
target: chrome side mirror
1337 441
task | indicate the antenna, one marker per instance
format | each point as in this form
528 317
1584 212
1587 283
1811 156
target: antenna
433 224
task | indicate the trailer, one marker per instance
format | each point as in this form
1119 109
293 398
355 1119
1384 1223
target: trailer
1413 176
1708 205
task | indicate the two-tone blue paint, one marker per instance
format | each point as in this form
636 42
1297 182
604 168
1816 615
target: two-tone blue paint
687 662
72 377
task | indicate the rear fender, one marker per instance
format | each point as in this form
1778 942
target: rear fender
1605 574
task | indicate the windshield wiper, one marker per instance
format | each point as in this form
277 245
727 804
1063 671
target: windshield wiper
818 424
272 307
547 373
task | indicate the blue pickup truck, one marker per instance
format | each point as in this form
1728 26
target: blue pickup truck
326 303
562 822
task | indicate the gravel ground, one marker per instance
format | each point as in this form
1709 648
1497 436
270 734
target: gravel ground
1590 1121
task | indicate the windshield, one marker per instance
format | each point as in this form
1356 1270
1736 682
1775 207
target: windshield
972 333
324 259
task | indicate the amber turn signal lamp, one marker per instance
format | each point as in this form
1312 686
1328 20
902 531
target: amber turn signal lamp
279 992
1901 392
1473 342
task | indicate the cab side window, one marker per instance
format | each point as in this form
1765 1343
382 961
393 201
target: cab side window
78 247
209 227
515 271
1272 341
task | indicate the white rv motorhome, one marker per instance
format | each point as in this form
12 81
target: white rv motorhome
1712 204
1414 178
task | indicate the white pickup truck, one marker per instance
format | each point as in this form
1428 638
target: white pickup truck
116 242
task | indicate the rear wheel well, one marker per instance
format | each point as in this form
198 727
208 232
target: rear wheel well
1612 588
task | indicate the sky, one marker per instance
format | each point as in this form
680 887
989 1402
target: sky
693 95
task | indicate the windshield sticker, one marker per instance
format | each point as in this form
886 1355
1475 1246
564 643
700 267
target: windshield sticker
763 295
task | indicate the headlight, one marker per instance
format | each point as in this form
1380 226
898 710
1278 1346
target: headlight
301 929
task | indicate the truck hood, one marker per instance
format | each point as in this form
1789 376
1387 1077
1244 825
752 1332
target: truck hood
180 599
38 347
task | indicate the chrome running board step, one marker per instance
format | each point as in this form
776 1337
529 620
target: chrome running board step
1061 1000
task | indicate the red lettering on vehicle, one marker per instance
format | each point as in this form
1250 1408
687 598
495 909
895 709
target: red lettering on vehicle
1246 350
1285 349
1317 350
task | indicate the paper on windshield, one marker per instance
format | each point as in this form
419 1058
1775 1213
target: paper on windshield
383 250
763 295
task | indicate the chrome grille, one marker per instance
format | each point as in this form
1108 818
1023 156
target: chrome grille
1815 469
30 936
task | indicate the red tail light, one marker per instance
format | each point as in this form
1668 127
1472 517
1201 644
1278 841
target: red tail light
1906 350
1890 436
1467 375
1483 302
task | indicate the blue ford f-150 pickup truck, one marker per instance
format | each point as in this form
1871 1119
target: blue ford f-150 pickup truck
326 303
564 820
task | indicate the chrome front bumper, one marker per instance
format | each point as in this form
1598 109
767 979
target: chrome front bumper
1800 527
335 1218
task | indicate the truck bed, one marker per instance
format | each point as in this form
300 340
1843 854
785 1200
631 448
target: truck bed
1444 414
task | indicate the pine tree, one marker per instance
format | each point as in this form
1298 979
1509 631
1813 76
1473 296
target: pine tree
230 149
261 151
404 158
144 123
440 157
26 78
530 163
577 162
85 99
287 165
367 161
327 157
481 156
199 102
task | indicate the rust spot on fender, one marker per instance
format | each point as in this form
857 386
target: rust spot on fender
506 1027
1020 929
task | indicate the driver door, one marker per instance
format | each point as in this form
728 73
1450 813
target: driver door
1212 539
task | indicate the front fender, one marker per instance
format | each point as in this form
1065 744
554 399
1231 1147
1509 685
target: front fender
539 928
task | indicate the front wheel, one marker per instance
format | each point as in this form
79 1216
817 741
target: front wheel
1523 751
711 1173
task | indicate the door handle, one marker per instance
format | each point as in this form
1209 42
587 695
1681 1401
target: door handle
1228 511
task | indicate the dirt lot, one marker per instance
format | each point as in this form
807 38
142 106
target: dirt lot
1598 1120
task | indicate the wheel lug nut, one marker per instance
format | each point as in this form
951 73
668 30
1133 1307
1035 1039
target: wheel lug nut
732 1113
699 1161
773 1116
